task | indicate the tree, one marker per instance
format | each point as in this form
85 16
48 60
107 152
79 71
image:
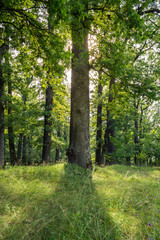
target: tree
2 50
48 109
79 147
108 147
123 32
47 124
98 159
11 136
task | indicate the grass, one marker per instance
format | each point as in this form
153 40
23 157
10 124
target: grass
64 202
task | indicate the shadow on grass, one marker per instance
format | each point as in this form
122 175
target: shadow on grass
133 196
81 213
66 202
53 203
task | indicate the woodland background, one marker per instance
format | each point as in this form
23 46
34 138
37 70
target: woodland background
36 48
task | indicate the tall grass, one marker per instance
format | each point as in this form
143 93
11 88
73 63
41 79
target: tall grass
64 202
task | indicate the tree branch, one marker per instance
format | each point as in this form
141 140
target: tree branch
142 50
152 10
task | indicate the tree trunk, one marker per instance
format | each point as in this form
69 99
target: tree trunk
136 135
46 151
24 161
126 141
128 161
136 142
1 111
12 150
19 150
99 127
79 147
47 125
29 155
57 148
140 134
109 147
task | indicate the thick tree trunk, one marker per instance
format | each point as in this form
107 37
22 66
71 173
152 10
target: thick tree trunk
99 127
1 112
12 150
47 125
57 148
79 148
19 149
109 147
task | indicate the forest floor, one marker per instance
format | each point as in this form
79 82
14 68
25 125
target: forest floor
62 202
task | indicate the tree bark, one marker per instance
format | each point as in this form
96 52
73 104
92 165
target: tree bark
47 125
98 159
109 147
1 111
79 147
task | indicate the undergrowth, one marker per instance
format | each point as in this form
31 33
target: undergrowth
64 202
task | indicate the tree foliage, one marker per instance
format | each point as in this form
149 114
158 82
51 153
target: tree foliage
35 53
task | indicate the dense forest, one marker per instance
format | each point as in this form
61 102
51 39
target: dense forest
79 82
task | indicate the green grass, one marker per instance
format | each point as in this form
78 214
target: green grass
67 203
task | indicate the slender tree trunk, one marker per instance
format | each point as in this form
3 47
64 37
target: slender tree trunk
29 155
46 151
128 157
65 135
19 149
99 127
109 147
79 147
1 111
140 134
12 150
128 161
24 160
136 137
150 161
57 148
136 142
47 125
